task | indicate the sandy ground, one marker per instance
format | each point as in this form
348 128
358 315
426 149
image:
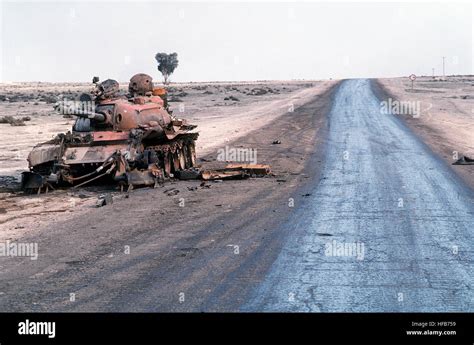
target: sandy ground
219 121
446 119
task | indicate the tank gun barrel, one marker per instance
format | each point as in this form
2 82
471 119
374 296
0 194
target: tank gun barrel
90 115
79 111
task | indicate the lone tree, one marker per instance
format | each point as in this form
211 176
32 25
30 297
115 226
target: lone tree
167 63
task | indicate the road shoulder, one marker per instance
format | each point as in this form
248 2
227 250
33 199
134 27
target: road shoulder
431 133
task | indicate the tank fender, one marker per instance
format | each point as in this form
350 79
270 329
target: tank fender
43 154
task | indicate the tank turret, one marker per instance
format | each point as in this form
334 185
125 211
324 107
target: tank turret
140 85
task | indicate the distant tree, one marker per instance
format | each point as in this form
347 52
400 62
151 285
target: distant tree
167 63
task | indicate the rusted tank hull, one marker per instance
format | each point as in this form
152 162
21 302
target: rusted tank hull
120 157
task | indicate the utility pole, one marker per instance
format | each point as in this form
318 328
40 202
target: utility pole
444 57
433 72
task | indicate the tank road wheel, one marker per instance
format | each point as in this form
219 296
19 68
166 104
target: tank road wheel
192 154
175 161
167 162
182 159
187 158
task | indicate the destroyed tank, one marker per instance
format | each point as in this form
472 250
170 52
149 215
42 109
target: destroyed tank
131 139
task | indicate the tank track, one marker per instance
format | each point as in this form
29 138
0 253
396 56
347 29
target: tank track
178 154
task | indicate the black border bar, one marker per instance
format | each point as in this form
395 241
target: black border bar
242 328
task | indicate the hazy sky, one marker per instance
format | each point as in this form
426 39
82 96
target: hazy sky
219 40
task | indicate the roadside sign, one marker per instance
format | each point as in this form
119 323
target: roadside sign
412 78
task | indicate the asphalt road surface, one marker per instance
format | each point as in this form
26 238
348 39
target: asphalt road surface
389 227
379 224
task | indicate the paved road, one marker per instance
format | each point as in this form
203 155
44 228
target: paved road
406 217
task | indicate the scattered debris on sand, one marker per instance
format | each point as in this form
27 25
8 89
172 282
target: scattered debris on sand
464 160
105 199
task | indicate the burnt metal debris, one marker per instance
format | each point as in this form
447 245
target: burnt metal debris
236 171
